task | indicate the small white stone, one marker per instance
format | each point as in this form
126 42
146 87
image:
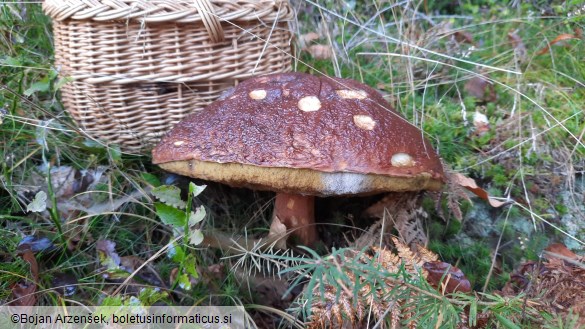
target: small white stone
351 94
179 143
364 122
309 104
257 94
402 160
480 119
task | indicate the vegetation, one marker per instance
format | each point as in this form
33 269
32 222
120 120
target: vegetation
498 88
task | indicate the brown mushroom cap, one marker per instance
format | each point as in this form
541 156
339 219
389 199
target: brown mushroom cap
299 133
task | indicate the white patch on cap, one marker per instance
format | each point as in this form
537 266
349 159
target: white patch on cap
402 160
344 183
179 143
364 122
257 94
309 104
351 94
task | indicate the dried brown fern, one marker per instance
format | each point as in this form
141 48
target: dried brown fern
557 284
403 212
374 296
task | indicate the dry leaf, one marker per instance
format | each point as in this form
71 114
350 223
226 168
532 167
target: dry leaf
446 278
113 267
518 44
146 273
554 285
69 187
515 39
480 88
476 87
68 181
36 244
109 261
578 32
463 37
107 253
23 292
455 194
555 249
268 290
471 185
306 39
556 40
64 284
216 271
320 51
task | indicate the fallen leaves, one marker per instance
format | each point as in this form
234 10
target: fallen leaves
114 268
320 51
559 40
458 186
558 250
518 44
471 185
307 39
557 284
64 283
480 88
446 277
317 51
108 258
24 291
463 37
72 192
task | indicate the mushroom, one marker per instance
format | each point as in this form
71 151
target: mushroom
302 136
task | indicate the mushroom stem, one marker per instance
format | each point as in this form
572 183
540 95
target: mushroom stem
297 213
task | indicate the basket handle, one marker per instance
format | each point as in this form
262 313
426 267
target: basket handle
210 20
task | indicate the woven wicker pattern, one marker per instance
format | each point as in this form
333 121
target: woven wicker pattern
141 66
180 11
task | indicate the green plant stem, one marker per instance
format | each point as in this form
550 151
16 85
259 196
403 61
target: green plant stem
452 300
54 211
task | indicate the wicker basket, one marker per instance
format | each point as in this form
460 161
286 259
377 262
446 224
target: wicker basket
139 66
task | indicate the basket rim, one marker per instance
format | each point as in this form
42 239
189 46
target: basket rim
158 11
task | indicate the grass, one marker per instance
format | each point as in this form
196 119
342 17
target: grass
532 152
